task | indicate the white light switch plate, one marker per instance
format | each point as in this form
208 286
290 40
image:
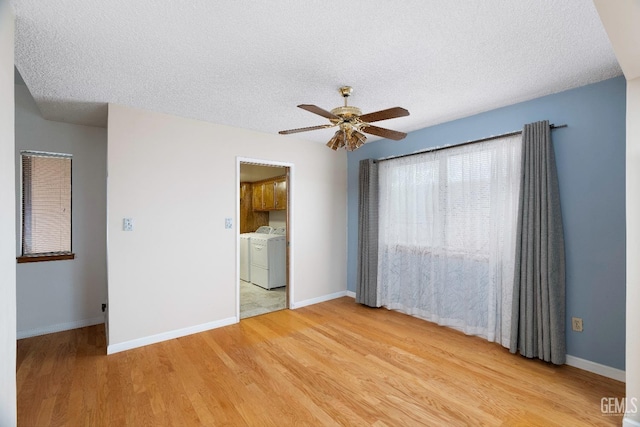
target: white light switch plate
127 224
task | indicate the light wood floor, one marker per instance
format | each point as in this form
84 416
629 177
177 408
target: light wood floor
335 363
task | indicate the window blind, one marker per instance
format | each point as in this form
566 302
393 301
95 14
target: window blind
46 203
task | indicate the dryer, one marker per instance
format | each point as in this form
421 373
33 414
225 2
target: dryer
245 252
268 260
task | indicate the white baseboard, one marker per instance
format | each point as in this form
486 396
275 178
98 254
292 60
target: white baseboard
596 368
165 336
318 299
351 294
51 329
628 422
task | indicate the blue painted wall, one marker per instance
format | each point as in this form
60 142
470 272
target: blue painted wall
590 156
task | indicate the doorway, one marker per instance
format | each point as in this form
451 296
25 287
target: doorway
263 236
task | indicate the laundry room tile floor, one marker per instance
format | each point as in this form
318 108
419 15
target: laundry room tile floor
255 300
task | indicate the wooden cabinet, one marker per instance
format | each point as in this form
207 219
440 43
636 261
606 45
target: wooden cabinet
250 220
270 195
257 196
263 196
280 188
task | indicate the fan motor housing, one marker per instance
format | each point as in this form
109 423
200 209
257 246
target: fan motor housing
347 112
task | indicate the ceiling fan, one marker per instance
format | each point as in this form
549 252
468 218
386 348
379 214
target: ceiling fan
352 123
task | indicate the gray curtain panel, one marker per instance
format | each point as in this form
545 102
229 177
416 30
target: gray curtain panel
538 322
367 280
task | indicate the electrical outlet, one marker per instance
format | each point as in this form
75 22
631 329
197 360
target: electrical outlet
576 324
228 223
127 224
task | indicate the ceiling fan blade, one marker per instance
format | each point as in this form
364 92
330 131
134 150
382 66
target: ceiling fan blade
389 113
319 111
385 133
287 132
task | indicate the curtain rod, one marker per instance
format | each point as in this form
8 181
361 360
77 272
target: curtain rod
489 138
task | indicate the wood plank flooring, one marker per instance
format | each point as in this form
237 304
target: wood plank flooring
335 363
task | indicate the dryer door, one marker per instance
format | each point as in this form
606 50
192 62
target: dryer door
259 254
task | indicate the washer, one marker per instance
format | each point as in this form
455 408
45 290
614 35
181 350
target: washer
245 253
268 260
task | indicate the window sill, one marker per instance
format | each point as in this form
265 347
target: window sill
44 257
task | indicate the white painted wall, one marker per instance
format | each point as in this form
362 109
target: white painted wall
176 178
59 295
8 415
620 19
278 219
632 359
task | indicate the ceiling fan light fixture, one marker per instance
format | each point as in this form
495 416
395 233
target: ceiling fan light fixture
356 140
337 141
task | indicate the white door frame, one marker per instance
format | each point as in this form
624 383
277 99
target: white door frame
290 232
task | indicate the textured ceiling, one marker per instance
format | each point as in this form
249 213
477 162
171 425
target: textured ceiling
250 172
248 64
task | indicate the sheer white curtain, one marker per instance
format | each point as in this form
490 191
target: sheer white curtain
447 236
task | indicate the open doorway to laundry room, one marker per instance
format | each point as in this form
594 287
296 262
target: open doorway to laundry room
263 236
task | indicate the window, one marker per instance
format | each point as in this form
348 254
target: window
46 206
447 235
444 200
